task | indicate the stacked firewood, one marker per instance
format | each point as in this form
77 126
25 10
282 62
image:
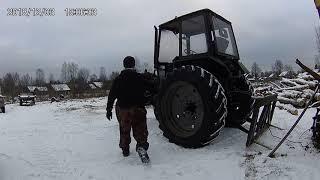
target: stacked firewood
292 93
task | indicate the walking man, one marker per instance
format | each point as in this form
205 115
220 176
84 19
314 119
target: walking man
129 88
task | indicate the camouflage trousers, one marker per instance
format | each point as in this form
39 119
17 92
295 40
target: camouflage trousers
133 118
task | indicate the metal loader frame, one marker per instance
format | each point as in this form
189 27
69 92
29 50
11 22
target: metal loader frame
259 124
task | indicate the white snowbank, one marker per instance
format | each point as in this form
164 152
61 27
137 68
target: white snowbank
73 140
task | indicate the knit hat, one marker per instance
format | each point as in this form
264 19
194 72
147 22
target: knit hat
129 62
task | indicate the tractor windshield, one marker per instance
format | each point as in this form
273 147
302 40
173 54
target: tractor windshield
225 41
193 39
194 36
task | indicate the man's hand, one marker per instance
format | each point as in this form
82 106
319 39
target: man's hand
109 114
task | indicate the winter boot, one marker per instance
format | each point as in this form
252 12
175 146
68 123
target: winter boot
125 152
143 155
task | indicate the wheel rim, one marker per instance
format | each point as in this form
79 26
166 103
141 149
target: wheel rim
185 109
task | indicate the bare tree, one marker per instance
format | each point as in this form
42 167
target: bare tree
103 74
142 66
277 68
316 62
82 79
317 30
40 77
8 84
113 75
26 80
147 67
83 75
93 78
267 73
51 78
72 71
16 78
69 72
290 70
255 70
11 83
64 72
1 85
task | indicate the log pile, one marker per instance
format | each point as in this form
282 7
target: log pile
292 93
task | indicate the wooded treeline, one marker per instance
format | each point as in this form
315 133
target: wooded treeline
277 69
13 83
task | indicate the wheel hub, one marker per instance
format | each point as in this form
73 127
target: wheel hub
186 108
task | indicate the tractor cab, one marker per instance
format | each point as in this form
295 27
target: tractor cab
198 35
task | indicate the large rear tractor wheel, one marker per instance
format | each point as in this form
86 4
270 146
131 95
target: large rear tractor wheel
191 107
240 102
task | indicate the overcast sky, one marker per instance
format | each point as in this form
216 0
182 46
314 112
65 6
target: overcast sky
265 31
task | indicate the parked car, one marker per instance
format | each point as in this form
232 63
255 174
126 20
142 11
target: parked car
2 104
27 99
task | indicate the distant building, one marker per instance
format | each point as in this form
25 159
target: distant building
98 84
59 89
92 86
97 89
40 91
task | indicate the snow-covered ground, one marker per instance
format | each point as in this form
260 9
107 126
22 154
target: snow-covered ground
73 140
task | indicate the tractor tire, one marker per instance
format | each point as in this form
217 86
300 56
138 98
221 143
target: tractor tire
240 104
3 109
21 103
191 107
316 132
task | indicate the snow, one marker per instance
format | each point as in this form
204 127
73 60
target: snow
73 140
92 86
272 75
305 76
98 84
284 74
60 87
251 79
39 88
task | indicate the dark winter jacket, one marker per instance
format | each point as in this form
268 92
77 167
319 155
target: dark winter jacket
129 88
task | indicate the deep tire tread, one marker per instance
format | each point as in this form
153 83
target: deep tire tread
216 104
236 118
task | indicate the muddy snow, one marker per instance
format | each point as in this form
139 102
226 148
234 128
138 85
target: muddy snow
73 140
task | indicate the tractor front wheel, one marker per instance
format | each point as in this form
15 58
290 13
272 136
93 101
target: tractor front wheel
191 107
